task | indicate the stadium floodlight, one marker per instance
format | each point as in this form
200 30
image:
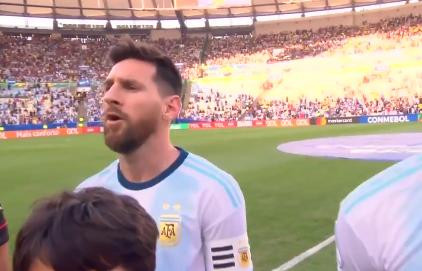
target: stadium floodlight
170 24
195 23
278 17
201 5
328 12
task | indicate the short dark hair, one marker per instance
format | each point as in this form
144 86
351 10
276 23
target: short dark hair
167 73
93 229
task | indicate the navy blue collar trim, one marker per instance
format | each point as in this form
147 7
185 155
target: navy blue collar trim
150 183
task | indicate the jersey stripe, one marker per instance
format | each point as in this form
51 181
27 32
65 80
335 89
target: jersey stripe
389 180
224 265
215 171
218 180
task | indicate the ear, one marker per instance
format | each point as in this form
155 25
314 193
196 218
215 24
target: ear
171 108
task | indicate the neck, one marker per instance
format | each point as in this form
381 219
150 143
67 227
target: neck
149 160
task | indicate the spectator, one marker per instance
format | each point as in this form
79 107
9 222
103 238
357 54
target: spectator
73 59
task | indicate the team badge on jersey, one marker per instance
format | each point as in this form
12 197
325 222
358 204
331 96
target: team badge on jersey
232 254
244 257
170 229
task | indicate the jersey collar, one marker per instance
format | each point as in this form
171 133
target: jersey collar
147 184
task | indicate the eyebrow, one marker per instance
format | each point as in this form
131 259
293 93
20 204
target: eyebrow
109 82
130 82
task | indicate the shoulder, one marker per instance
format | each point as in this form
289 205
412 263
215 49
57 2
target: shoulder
386 202
395 180
100 178
214 181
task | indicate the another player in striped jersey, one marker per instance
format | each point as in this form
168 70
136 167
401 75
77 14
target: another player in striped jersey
199 208
379 225
4 238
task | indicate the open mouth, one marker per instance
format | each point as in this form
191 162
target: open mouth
112 117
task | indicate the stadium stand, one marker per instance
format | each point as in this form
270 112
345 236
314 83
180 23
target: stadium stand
36 60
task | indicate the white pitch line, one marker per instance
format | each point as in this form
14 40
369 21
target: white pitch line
305 255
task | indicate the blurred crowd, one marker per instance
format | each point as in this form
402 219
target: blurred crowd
41 58
214 106
46 59
39 106
302 43
44 105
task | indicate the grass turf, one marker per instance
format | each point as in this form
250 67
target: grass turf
291 200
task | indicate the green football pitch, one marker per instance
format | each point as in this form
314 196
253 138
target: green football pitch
291 200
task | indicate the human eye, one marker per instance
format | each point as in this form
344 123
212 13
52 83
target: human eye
131 86
107 85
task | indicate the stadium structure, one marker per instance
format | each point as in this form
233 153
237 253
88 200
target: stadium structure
159 18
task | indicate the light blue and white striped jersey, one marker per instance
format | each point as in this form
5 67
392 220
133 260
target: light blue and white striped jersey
379 225
199 210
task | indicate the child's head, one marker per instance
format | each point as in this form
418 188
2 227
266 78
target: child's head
90 230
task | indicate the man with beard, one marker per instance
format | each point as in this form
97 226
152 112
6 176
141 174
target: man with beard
199 209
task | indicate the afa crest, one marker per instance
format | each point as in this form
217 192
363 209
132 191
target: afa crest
170 229
244 257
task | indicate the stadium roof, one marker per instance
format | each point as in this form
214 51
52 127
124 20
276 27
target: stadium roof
166 9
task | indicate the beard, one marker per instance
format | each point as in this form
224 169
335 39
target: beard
130 136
